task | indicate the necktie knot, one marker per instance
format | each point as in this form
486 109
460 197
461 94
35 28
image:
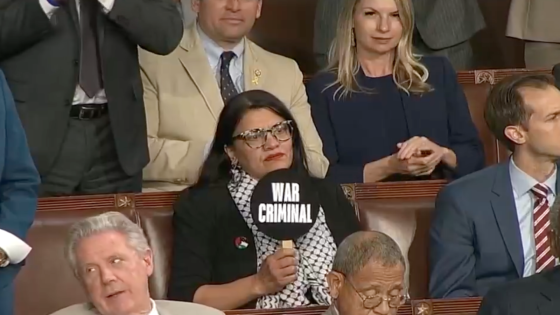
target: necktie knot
540 191
226 57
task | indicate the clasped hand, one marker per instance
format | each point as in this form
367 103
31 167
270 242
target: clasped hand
418 156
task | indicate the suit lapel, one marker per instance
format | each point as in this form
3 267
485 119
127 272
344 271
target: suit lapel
194 60
73 6
503 205
254 71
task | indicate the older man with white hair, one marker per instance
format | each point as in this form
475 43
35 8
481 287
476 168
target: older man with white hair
111 258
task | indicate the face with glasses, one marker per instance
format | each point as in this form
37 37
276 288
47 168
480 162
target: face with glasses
262 143
375 289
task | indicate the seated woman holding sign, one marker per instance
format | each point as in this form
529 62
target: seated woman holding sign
220 257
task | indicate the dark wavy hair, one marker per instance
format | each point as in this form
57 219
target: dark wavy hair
217 166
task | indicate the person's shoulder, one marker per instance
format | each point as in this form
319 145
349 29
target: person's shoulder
323 80
435 63
207 195
77 309
473 184
518 290
279 62
185 308
326 187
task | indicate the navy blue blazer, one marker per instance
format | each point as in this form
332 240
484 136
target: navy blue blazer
475 241
19 179
352 137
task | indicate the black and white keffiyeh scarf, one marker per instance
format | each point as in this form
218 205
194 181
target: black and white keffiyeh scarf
316 251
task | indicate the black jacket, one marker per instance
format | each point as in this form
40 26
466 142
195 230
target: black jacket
40 58
535 295
206 223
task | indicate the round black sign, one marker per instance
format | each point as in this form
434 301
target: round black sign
284 204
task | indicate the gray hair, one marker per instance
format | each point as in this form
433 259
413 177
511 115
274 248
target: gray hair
108 221
362 247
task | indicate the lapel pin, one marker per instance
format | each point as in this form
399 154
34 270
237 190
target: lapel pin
256 76
241 242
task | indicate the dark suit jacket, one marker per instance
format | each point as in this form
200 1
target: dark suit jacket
535 295
40 58
446 23
352 137
206 224
475 241
19 179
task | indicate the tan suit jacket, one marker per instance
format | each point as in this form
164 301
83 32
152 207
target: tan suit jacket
163 308
183 102
534 20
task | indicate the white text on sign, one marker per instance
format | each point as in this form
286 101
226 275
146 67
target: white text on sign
285 208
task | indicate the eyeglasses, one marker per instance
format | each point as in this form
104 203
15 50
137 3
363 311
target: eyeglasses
256 138
371 302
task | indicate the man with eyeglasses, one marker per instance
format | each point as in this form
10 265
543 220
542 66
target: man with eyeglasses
367 276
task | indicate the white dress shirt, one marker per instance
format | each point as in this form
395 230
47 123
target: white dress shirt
522 183
15 249
154 310
214 52
80 97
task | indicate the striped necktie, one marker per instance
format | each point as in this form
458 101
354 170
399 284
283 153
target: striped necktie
541 226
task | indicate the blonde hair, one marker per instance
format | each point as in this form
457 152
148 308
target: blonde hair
409 74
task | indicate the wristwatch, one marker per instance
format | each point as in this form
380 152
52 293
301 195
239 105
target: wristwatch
4 259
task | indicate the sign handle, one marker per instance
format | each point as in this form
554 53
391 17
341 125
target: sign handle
288 244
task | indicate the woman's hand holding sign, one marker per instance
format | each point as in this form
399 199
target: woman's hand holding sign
277 271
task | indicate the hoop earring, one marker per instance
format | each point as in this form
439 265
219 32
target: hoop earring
353 38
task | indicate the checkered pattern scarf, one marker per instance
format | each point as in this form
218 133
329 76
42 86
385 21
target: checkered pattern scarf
316 251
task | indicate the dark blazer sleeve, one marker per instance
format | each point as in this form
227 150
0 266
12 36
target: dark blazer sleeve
20 180
319 101
22 23
463 135
156 26
193 241
452 253
495 303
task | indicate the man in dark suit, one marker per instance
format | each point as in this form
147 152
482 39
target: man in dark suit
19 183
535 295
488 226
73 68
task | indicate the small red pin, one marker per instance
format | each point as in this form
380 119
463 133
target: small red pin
241 242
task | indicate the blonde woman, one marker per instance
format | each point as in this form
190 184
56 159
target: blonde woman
384 113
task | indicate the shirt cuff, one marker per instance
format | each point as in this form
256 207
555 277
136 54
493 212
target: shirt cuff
15 248
107 5
47 7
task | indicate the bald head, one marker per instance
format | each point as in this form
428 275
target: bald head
363 247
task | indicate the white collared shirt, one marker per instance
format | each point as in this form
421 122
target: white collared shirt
214 52
521 184
154 310
80 97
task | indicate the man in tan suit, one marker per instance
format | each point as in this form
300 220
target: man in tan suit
537 23
184 92
111 258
